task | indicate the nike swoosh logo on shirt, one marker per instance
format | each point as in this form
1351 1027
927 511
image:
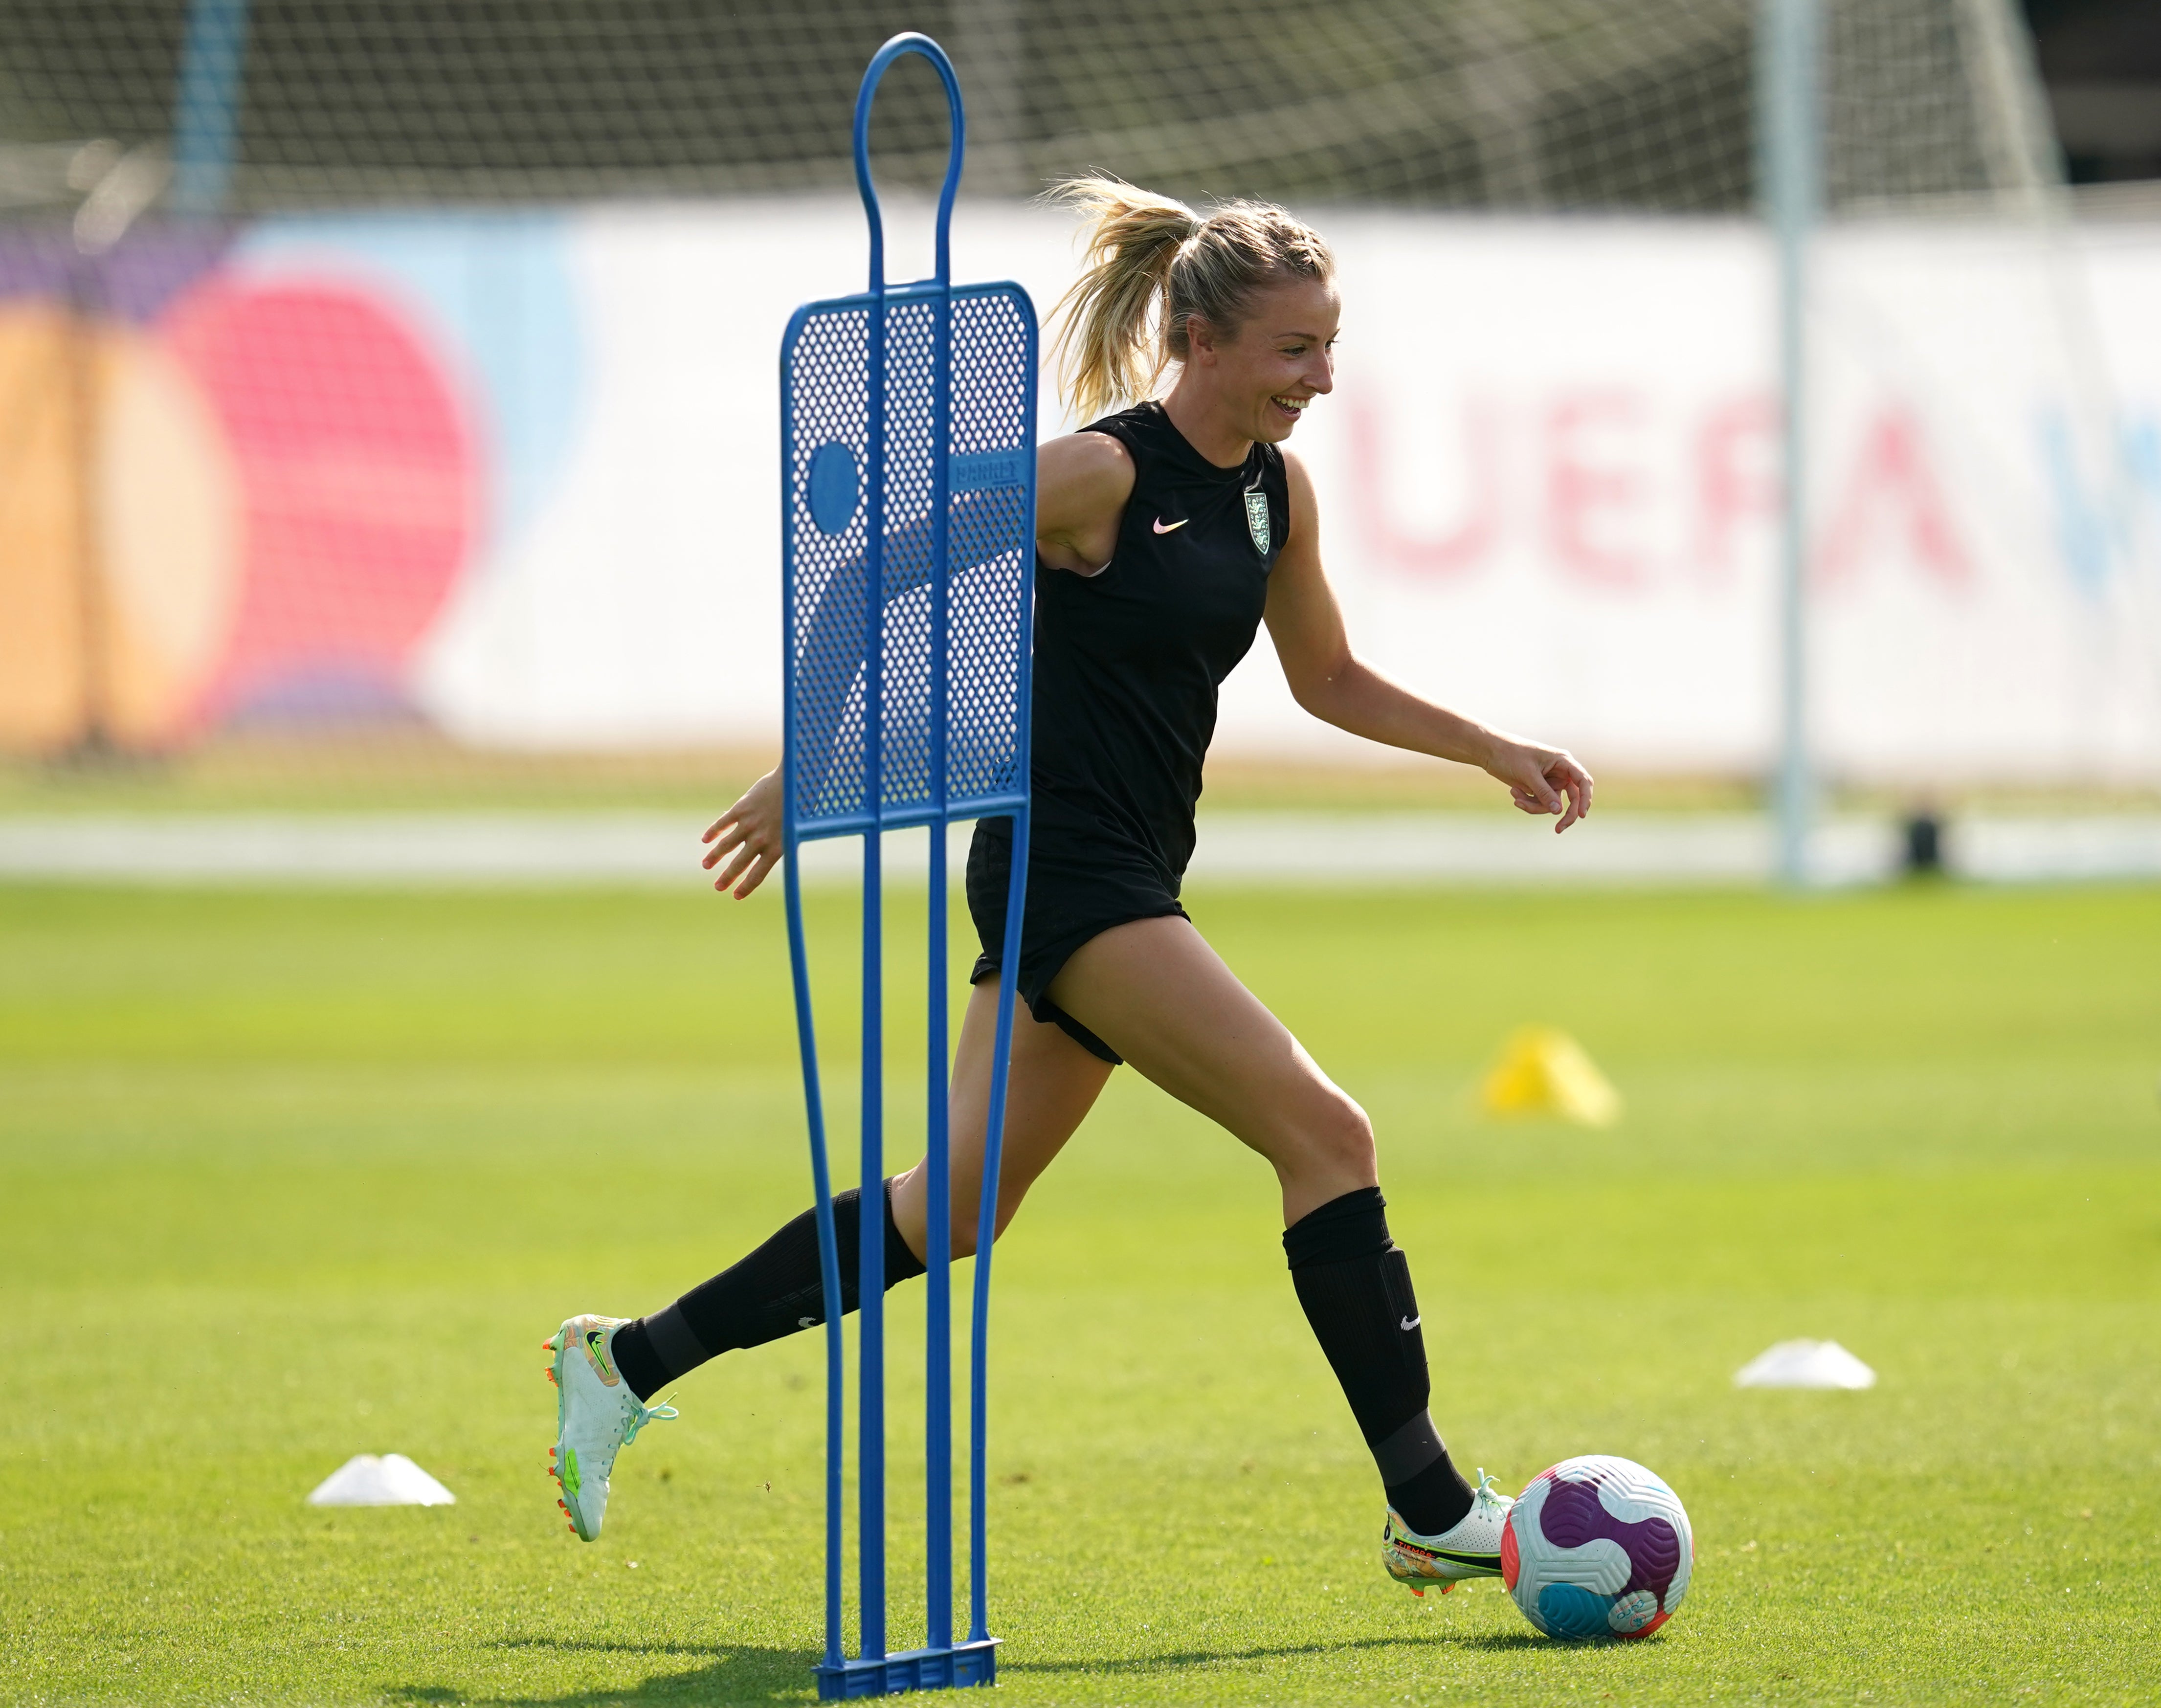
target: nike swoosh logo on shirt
1163 527
1409 1323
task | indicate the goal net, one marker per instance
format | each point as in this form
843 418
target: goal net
1512 104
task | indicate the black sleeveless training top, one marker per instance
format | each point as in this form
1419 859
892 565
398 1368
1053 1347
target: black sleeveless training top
1128 661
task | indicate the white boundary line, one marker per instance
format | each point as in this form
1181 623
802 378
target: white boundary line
1372 850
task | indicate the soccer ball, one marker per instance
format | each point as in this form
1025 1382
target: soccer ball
1598 1547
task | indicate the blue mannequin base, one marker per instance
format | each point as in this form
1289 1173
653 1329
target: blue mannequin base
919 1670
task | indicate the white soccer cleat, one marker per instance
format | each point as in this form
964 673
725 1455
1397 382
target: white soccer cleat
1472 1548
596 1416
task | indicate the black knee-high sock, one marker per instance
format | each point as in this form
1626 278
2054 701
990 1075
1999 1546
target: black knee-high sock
1356 1287
777 1290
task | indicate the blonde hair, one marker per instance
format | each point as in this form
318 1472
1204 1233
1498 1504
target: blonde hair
1154 265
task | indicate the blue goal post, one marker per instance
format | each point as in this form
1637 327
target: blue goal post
908 425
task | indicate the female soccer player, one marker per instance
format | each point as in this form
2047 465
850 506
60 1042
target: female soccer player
1166 533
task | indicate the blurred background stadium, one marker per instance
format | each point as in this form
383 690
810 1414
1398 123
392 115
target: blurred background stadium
387 391
387 459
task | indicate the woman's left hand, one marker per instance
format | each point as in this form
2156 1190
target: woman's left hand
1544 780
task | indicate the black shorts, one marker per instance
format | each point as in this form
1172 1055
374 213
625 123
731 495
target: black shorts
1074 893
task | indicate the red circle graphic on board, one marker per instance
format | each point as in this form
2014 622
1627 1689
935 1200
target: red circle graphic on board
360 483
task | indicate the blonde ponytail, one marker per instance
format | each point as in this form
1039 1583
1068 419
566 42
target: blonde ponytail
1108 348
1152 265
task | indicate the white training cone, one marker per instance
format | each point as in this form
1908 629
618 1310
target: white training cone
1805 1364
392 1481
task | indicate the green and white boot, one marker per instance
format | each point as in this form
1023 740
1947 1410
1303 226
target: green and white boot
596 1417
1470 1548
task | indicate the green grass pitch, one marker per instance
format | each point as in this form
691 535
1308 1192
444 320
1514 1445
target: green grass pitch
287 1177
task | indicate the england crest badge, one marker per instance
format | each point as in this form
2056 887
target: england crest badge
1257 520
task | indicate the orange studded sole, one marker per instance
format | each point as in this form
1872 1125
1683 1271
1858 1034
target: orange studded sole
554 1344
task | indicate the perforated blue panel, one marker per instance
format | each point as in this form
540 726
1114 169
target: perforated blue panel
836 512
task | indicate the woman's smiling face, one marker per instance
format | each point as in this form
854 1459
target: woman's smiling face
1282 357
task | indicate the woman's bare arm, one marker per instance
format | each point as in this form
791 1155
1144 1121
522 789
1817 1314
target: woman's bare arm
1082 481
1330 681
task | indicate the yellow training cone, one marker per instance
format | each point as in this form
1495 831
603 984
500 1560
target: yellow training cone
1543 1071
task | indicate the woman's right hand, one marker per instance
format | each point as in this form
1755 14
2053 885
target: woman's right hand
750 831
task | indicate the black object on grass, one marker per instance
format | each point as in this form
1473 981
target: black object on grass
1924 844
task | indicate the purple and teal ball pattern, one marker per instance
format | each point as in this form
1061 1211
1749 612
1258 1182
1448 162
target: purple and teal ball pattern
1598 1547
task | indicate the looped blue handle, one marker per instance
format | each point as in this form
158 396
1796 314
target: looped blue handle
909 42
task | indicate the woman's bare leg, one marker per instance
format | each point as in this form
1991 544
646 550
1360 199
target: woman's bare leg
1053 1083
1158 995
1166 1001
778 1290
